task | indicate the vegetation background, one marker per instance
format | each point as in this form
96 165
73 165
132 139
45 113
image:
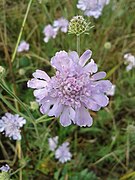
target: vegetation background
105 151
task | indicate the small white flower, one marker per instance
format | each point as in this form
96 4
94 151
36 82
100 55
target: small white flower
130 60
10 124
53 143
24 46
49 32
62 153
111 91
5 168
61 24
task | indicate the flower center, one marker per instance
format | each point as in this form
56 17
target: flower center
69 89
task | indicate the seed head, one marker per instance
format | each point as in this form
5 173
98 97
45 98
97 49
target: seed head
78 25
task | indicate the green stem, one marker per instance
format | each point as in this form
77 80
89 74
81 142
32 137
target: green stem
5 87
21 31
12 108
78 44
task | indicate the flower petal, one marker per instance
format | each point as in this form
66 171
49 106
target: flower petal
74 56
56 110
103 85
71 113
82 117
93 105
41 75
99 75
91 67
40 93
36 84
101 99
61 61
85 57
45 105
65 118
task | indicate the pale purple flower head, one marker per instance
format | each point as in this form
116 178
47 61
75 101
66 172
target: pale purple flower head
76 88
53 143
24 46
92 7
62 153
61 24
10 125
5 168
130 60
49 32
111 91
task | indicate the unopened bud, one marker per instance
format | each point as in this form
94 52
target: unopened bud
131 129
22 71
2 70
34 105
107 45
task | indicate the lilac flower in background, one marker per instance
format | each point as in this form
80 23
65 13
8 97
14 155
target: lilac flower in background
73 90
130 60
5 168
53 143
92 7
10 125
49 32
111 91
61 24
62 153
24 46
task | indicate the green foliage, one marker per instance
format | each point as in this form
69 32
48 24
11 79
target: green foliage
103 151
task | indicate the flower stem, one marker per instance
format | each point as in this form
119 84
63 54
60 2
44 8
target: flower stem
78 44
19 152
21 31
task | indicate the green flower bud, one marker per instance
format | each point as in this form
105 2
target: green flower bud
4 176
78 25
2 70
21 71
34 105
131 129
107 45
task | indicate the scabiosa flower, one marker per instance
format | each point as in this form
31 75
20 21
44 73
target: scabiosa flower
5 168
130 60
62 153
73 90
61 24
92 7
53 143
49 32
10 124
111 91
24 46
